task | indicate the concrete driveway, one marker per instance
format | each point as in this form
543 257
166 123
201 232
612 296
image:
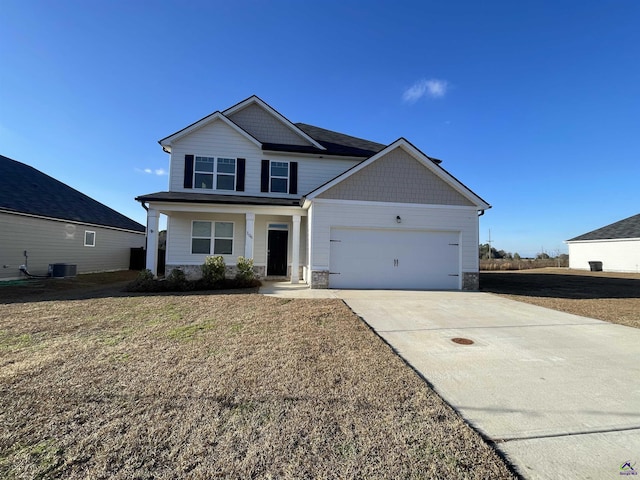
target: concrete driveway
558 393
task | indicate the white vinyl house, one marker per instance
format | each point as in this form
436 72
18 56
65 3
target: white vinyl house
313 205
615 246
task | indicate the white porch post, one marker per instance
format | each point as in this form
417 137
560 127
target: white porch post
295 254
153 217
248 242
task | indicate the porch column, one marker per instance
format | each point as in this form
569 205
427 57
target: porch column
295 254
248 241
153 217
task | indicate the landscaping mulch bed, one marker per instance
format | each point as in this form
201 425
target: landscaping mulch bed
613 297
97 383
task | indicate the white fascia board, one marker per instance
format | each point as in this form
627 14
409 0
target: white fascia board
284 120
168 208
168 141
418 155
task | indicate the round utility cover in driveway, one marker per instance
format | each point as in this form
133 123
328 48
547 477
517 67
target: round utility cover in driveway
394 259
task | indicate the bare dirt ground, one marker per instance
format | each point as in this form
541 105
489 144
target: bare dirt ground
613 297
96 383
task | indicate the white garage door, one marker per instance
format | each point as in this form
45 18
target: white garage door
394 259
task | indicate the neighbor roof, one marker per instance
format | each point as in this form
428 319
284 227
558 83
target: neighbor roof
627 228
23 189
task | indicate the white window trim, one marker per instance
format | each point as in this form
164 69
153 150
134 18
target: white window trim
215 173
85 238
287 177
213 238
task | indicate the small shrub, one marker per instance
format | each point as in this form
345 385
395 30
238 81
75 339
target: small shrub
177 280
213 270
245 269
144 282
145 275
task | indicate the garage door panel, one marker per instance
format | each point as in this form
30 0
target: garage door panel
394 259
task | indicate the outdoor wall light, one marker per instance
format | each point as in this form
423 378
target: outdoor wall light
398 219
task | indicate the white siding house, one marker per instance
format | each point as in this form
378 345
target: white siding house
615 246
315 205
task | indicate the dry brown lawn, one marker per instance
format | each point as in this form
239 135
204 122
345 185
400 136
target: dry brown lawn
613 297
97 384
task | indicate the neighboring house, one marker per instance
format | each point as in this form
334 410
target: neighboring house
43 222
617 246
308 203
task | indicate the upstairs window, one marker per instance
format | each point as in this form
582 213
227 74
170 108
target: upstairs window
279 177
210 171
226 178
203 172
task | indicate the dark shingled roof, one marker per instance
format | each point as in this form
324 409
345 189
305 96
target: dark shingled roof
627 228
188 197
340 144
24 189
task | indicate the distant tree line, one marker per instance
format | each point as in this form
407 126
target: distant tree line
487 252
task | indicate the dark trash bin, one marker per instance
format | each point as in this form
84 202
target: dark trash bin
595 266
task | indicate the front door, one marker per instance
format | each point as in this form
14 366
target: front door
277 252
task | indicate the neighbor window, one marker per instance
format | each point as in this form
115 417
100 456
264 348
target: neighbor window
202 233
89 238
211 171
279 177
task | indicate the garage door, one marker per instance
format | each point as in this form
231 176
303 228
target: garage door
394 259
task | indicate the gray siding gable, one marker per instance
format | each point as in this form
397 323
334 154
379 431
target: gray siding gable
265 127
396 177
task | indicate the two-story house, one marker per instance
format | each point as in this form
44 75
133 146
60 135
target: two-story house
308 203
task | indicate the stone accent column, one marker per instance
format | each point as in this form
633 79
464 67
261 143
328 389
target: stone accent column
153 220
470 281
295 254
248 241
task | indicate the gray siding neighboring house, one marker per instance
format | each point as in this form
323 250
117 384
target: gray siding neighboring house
616 245
54 223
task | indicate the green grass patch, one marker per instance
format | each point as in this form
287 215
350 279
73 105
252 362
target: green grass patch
185 333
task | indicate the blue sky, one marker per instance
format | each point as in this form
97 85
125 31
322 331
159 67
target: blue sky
534 105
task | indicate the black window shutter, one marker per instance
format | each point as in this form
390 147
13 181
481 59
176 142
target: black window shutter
293 177
264 176
241 166
188 171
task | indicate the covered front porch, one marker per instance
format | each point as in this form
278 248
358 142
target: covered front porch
274 236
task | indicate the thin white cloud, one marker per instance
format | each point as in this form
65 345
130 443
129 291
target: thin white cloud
158 171
433 88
